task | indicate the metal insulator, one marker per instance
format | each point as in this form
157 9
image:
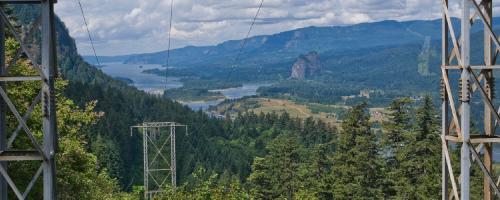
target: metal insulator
466 97
443 90
460 88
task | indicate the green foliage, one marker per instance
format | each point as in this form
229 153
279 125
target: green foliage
357 165
109 157
204 187
396 135
412 149
420 159
77 177
279 173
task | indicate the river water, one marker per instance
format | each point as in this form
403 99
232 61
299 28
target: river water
155 84
248 89
150 83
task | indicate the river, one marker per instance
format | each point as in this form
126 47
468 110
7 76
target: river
150 83
248 89
155 84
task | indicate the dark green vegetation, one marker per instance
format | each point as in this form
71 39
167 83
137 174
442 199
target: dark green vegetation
309 160
77 176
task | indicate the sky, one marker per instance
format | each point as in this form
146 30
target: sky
121 27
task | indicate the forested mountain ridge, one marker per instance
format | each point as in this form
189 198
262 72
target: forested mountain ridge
295 42
290 44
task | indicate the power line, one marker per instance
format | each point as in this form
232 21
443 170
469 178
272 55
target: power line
88 32
242 46
169 40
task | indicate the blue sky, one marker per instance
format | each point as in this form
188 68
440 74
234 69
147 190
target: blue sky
131 26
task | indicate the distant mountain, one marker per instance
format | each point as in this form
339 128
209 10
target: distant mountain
268 49
290 44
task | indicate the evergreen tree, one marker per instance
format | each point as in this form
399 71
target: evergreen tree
420 159
108 156
280 173
205 186
396 135
397 128
320 165
356 163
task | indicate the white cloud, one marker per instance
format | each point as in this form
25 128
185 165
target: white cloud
127 26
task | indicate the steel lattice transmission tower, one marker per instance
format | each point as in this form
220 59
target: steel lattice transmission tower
43 153
476 85
159 155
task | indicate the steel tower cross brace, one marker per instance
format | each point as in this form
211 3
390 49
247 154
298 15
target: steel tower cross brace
474 78
47 70
159 160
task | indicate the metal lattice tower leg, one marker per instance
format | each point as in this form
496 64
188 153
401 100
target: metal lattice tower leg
474 78
47 71
158 139
3 109
172 157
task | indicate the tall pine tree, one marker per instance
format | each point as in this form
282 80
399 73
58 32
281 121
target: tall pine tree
396 134
356 163
280 173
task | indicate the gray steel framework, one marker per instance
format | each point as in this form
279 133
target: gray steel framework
47 70
456 121
156 137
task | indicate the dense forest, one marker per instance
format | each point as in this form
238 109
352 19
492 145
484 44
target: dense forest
310 160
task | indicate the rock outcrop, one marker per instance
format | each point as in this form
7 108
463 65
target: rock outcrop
306 66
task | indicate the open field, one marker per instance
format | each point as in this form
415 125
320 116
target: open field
332 114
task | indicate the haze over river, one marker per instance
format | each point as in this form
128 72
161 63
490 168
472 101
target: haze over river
150 83
155 84
248 89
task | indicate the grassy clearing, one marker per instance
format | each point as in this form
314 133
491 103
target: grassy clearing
332 114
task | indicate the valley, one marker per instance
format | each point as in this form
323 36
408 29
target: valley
134 75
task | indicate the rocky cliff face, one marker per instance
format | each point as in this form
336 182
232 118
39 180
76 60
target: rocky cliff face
306 66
